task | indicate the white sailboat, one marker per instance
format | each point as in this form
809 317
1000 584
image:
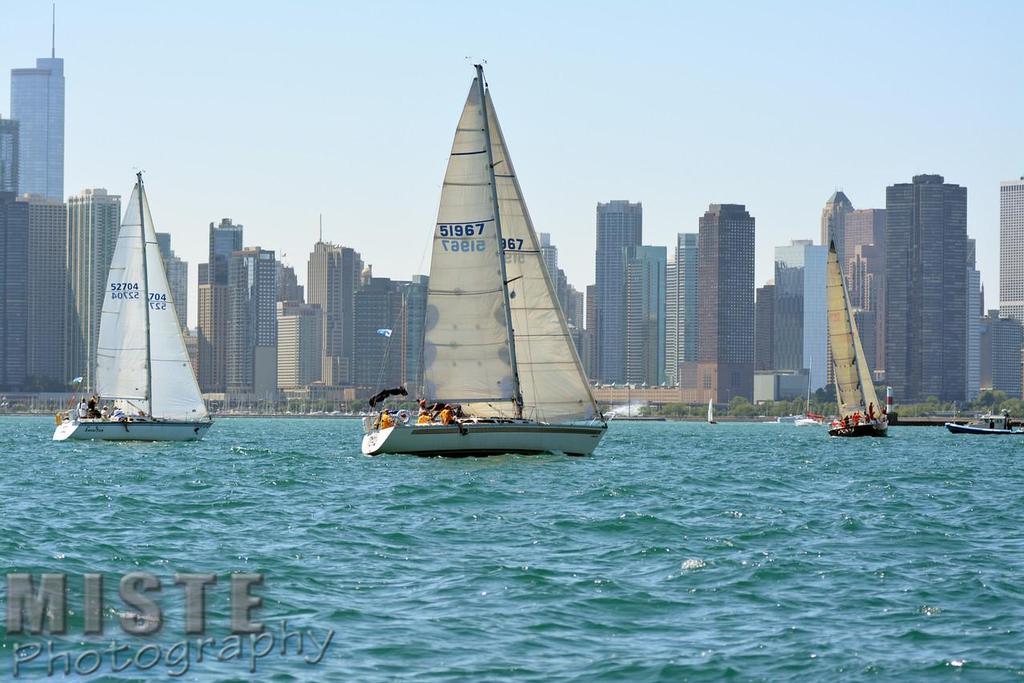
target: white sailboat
807 419
860 413
142 365
496 340
711 413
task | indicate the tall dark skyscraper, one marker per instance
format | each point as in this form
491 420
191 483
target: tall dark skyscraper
377 362
37 104
726 347
214 305
926 289
764 328
833 222
8 155
619 228
333 275
14 225
252 322
47 272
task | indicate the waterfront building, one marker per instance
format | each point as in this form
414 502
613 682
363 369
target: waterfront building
800 325
225 239
8 155
681 310
47 272
645 315
37 104
333 275
378 331
94 219
177 278
14 304
764 327
926 289
619 228
251 366
1011 249
300 344
725 367
1004 341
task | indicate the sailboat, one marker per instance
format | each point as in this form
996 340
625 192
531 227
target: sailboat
860 413
711 413
808 418
142 364
496 342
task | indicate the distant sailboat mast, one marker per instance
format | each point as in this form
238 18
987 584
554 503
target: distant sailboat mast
517 393
145 295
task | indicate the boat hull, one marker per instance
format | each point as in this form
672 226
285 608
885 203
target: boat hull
484 438
969 429
860 430
131 431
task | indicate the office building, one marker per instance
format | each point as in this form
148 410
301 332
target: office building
94 219
37 104
681 297
864 270
800 325
300 344
589 355
1011 249
926 289
47 272
725 367
225 239
8 155
14 304
177 278
414 318
833 222
333 275
288 287
1002 342
645 315
764 328
973 320
378 328
619 228
252 323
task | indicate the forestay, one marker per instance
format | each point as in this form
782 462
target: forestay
465 352
855 390
121 356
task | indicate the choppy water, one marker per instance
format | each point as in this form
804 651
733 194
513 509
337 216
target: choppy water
677 551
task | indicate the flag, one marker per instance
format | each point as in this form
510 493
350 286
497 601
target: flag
384 331
77 380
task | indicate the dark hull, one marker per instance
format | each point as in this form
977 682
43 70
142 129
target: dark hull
970 429
859 430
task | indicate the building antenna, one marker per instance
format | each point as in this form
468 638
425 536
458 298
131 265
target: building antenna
53 33
321 227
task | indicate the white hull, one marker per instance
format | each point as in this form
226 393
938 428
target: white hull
132 431
484 438
807 422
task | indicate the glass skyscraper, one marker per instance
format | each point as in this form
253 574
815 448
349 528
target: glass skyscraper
37 104
8 155
619 228
800 325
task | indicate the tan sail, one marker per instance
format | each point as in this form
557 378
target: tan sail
855 391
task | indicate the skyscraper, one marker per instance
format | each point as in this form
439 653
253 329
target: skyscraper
800 325
8 155
214 305
93 223
177 278
332 277
1006 339
864 269
973 320
833 223
681 298
619 227
926 289
1011 249
377 362
37 104
47 272
645 315
252 322
14 236
300 344
726 347
589 355
764 324
288 287
415 311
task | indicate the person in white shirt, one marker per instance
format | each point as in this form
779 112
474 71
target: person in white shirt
83 409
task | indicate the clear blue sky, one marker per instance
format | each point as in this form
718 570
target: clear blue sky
271 113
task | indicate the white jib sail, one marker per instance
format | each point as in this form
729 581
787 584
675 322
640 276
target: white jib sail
465 352
121 354
551 377
855 390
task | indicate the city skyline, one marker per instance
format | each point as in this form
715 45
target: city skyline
210 168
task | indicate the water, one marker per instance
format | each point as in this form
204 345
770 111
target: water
677 551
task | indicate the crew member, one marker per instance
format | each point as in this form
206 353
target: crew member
385 420
447 415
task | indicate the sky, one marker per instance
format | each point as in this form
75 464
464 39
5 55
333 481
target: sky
275 113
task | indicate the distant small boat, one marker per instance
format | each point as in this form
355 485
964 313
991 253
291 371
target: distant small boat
711 413
988 424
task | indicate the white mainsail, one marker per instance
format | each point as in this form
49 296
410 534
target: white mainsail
121 371
855 391
467 357
466 354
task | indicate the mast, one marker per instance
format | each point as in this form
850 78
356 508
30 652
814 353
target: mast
145 293
517 394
